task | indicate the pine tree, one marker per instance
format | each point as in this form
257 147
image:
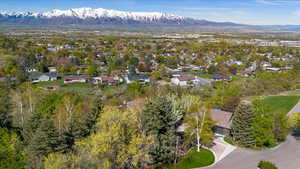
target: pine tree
46 140
159 120
242 125
5 103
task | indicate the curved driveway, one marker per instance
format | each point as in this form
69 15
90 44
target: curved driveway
286 156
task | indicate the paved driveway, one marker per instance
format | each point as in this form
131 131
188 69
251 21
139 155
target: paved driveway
287 156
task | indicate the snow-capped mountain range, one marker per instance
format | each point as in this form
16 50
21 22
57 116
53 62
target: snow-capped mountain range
99 16
85 13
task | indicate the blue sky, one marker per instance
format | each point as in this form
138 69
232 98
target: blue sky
262 12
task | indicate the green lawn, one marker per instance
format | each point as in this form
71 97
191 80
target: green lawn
77 85
205 75
82 88
194 160
50 83
281 103
61 83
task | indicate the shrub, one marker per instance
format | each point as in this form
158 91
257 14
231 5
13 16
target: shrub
228 140
266 165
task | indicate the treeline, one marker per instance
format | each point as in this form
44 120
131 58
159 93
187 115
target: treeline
66 129
44 122
63 129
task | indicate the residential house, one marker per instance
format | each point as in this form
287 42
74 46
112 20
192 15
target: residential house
249 71
73 79
52 69
189 79
221 77
141 78
266 65
202 81
273 69
43 77
106 80
223 121
183 79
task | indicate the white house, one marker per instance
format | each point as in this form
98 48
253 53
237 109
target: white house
183 80
141 78
52 69
273 69
43 77
189 79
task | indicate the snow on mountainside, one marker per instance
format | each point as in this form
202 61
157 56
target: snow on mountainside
97 16
85 13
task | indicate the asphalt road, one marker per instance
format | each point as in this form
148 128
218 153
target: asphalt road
286 156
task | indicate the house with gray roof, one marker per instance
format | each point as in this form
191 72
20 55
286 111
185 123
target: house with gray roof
141 78
43 77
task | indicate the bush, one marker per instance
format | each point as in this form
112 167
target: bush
228 140
266 165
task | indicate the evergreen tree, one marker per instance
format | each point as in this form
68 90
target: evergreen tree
5 119
20 74
242 125
46 140
159 120
91 118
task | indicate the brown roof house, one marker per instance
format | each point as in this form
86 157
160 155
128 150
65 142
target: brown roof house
73 79
223 121
106 80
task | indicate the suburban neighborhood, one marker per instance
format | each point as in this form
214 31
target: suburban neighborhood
96 88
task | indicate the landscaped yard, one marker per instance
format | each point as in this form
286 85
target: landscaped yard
194 160
281 103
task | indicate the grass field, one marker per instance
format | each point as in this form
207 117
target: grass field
61 84
194 160
281 103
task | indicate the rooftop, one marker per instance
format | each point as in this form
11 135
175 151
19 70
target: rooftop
222 118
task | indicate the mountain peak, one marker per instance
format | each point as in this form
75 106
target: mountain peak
88 15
